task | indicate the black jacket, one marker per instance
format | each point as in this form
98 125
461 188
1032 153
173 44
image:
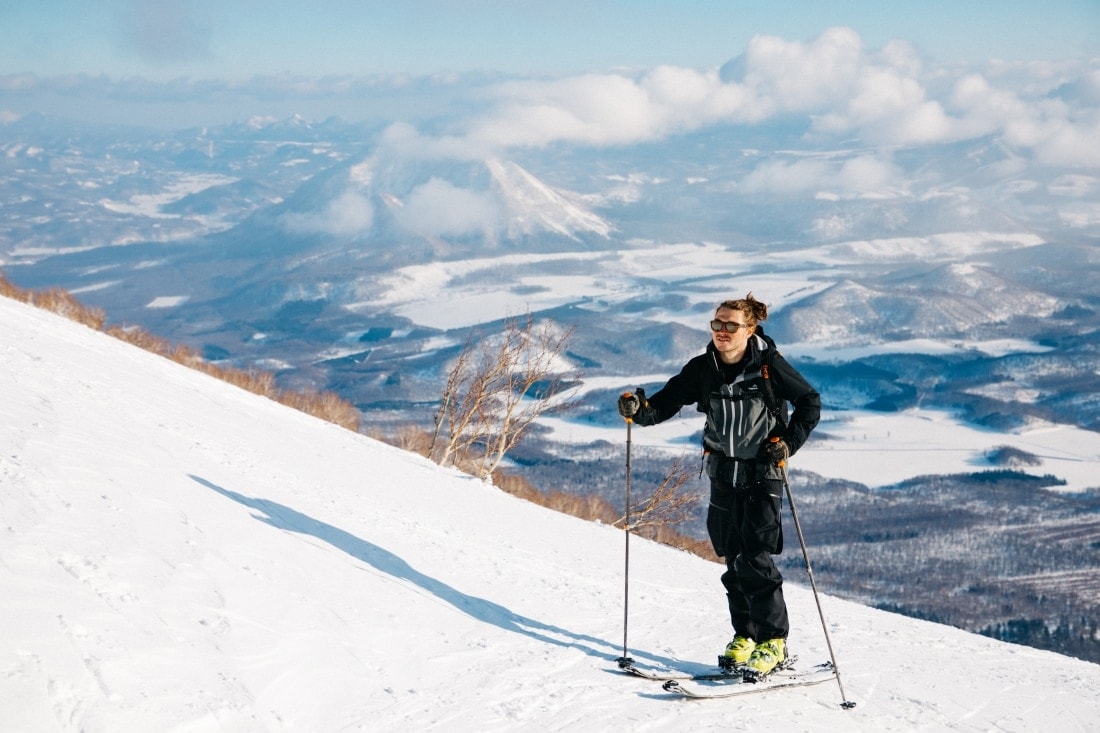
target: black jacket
702 383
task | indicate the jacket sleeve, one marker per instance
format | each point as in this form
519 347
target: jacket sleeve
681 390
792 387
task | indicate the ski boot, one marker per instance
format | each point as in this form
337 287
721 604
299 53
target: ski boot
767 657
737 653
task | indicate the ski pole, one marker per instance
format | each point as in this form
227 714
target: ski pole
846 703
625 661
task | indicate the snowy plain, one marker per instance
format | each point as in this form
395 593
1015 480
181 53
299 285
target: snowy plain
873 448
179 555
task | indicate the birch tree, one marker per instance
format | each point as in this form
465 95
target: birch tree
495 389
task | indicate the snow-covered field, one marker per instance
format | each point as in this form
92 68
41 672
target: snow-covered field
881 449
872 448
702 273
179 555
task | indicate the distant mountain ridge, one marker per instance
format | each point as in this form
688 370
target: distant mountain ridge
277 266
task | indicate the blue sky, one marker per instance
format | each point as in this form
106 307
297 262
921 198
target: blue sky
237 39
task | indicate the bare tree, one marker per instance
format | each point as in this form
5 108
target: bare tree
456 378
495 389
667 506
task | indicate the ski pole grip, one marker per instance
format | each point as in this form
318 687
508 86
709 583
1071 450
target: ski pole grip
775 439
628 393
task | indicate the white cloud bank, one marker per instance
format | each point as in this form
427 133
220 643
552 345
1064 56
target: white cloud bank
840 88
863 175
861 105
438 208
348 215
833 86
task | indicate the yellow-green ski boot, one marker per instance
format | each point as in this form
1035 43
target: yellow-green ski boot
737 653
767 657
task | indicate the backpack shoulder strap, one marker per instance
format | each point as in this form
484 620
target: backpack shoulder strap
769 391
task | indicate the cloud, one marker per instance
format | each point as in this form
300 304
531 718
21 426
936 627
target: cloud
1084 89
348 215
862 175
832 89
882 98
595 109
1072 144
1060 129
888 108
18 82
832 79
438 208
843 88
789 76
612 109
983 108
785 177
164 31
402 140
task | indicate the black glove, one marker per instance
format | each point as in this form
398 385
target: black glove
629 404
777 451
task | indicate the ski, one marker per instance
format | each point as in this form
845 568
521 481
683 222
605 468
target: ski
661 675
712 674
778 680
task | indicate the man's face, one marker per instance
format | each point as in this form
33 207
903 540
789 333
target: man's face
730 343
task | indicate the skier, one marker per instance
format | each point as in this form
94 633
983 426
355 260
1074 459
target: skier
743 384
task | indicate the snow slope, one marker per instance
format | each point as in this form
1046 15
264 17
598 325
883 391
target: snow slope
179 555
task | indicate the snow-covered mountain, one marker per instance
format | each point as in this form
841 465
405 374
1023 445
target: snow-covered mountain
532 206
357 259
406 207
180 555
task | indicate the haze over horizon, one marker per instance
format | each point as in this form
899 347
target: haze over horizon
601 73
163 40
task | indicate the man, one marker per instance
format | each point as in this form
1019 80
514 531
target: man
743 386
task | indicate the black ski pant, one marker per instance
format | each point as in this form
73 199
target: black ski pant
745 527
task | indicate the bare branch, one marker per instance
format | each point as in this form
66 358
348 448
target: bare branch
668 505
496 389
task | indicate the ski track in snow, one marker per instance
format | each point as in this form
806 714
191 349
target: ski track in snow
180 555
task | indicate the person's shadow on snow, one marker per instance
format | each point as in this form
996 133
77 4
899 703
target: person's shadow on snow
285 518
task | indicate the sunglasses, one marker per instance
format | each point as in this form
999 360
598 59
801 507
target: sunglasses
732 327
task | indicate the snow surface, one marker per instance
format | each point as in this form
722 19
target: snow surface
180 555
699 273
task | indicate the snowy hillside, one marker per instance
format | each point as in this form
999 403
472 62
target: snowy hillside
179 555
